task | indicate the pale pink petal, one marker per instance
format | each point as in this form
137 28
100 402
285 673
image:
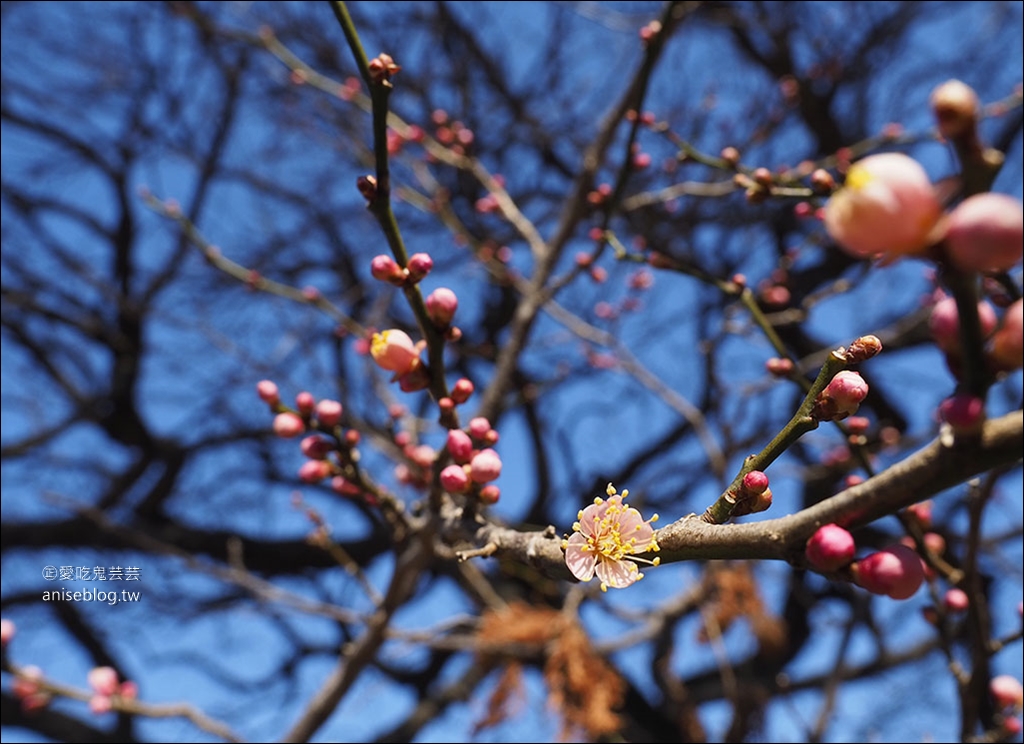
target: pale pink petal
591 516
617 574
581 562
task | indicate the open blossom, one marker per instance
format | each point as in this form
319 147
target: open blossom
886 207
607 533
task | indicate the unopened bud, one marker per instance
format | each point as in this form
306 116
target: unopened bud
956 108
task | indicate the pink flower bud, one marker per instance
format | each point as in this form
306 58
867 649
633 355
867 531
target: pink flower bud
305 402
462 390
423 455
100 704
922 512
944 323
328 412
956 109
986 233
288 425
1006 692
454 479
1006 351
394 351
314 471
315 448
886 207
956 600
490 494
129 690
965 413
7 631
344 487
841 397
478 427
27 683
103 680
485 466
419 266
418 378
268 392
755 482
830 548
460 446
386 269
895 572
441 306
779 367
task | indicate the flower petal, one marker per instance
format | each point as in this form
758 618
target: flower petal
580 560
617 574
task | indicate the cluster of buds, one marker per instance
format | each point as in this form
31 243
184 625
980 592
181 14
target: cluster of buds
840 398
896 571
888 207
386 269
106 688
326 438
475 463
381 68
28 688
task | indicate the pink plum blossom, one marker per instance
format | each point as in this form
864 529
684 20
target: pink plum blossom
944 323
103 680
328 412
986 233
478 427
830 548
386 269
1006 691
460 446
454 479
886 207
956 600
288 425
964 412
485 466
1007 346
841 397
100 704
895 572
314 471
419 266
394 351
441 306
268 392
7 631
607 532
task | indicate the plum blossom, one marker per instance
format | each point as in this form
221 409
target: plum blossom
607 532
394 351
887 207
